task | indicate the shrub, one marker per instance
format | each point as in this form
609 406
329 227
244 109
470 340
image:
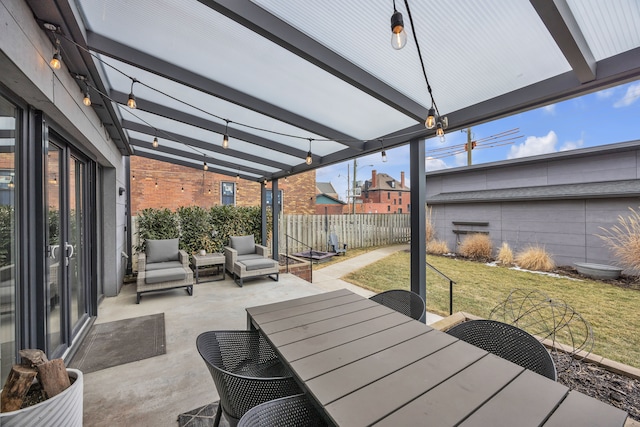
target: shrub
624 240
535 258
505 254
430 232
437 247
476 246
156 224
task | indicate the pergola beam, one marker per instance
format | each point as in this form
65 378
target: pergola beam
559 20
195 81
278 31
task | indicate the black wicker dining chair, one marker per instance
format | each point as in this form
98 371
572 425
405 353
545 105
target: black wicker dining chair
406 302
246 371
291 411
508 342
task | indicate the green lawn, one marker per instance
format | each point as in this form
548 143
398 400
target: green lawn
612 311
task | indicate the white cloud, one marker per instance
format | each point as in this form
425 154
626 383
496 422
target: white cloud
549 109
432 164
572 145
534 145
604 94
632 95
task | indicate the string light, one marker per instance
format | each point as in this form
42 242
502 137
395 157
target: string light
182 189
309 159
155 142
225 138
384 156
56 61
156 184
131 102
431 119
205 166
87 97
398 34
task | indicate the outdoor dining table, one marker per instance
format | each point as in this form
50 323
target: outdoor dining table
364 364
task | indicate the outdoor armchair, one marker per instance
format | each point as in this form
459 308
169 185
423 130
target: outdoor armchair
508 342
406 302
161 267
335 246
244 259
246 371
291 411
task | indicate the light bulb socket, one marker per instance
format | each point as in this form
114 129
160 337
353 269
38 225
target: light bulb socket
397 23
131 102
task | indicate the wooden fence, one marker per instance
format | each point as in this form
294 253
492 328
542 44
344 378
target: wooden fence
357 231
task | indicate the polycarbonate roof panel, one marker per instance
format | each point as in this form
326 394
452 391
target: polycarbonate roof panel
205 106
473 50
609 27
195 37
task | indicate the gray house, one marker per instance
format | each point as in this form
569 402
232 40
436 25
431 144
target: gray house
557 200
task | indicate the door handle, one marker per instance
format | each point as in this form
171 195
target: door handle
67 246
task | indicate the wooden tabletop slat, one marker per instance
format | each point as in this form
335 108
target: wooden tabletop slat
315 316
337 357
449 403
581 410
280 314
526 401
253 311
340 333
342 381
336 331
391 392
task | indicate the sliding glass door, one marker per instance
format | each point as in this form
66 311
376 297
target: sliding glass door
67 243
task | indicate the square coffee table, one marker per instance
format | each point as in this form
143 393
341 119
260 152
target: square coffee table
206 260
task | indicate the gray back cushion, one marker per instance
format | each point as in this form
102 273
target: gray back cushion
162 250
243 244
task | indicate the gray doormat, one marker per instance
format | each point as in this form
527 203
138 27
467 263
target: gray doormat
201 417
123 341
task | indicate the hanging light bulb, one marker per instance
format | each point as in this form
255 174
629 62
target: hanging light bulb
225 139
237 176
205 167
309 159
131 102
384 156
133 178
209 190
440 131
182 189
398 34
155 143
431 119
87 98
11 183
156 185
56 61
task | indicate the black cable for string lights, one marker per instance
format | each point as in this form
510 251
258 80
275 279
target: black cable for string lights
95 56
424 71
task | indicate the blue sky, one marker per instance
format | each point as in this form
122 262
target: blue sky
605 117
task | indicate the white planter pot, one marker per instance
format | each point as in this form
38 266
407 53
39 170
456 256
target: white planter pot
63 410
598 271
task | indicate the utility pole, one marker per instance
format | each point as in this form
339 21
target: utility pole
353 197
348 184
468 148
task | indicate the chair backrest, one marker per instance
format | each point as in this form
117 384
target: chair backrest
406 302
245 370
508 342
243 244
287 411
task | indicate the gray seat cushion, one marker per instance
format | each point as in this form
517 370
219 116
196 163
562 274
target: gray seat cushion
161 250
165 275
162 265
243 244
248 256
258 263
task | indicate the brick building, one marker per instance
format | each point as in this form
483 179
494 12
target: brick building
327 200
384 194
156 184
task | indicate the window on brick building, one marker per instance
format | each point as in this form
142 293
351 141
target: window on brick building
389 208
270 198
228 193
400 201
399 210
394 201
399 193
389 195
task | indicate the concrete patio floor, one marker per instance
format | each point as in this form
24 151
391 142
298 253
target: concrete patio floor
152 392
